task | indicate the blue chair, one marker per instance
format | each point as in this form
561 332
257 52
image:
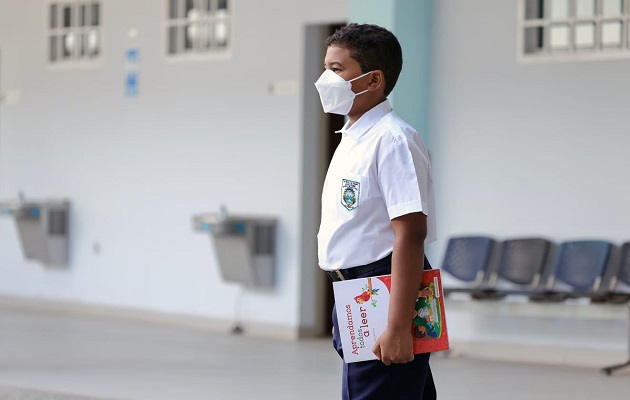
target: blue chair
621 293
619 288
521 265
467 259
578 270
624 270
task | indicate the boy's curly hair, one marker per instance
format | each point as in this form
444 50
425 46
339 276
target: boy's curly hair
373 47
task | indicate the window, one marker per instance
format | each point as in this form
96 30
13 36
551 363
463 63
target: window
74 32
562 30
198 27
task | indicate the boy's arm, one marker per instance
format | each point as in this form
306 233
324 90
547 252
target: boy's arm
395 345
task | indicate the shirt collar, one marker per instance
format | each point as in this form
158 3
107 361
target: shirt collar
366 121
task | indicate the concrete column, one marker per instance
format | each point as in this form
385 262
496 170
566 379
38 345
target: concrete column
410 21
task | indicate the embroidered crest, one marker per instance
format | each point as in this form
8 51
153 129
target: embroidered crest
350 194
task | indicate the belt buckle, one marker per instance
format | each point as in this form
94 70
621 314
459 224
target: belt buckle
339 275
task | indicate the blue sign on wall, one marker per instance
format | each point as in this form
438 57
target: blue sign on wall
131 73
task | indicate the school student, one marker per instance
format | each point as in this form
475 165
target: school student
378 207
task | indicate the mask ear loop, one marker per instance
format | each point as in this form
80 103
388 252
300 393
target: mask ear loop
359 77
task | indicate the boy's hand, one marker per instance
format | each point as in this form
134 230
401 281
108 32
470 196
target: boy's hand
394 346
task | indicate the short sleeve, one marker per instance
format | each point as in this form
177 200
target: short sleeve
400 176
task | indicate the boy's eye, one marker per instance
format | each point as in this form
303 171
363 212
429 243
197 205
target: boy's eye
335 70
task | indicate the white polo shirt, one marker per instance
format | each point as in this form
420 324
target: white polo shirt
380 171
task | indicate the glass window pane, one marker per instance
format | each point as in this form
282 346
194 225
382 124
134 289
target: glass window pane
190 5
67 16
93 45
96 14
173 9
82 15
533 9
585 35
203 34
53 15
223 5
53 48
82 45
191 34
559 37
534 40
221 33
68 45
559 9
172 40
585 8
611 33
612 8
207 38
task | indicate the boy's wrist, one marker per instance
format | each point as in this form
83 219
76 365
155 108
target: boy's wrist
399 326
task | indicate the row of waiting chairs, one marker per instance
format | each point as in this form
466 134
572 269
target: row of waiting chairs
490 269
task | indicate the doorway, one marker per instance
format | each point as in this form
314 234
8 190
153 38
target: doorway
334 122
320 142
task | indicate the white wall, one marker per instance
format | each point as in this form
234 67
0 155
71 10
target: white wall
135 170
523 150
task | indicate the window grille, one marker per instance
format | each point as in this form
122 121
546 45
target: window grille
74 31
565 30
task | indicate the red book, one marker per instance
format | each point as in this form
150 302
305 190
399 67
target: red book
363 304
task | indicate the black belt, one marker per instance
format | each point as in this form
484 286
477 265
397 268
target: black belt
351 273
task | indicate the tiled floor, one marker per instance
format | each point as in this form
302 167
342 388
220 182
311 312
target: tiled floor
123 360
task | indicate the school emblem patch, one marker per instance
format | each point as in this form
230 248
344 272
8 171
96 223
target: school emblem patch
350 191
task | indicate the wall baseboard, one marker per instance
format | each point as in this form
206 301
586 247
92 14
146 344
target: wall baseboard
186 321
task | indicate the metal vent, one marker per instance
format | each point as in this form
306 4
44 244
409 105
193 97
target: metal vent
264 240
57 222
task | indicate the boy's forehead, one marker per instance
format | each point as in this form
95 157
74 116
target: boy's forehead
338 55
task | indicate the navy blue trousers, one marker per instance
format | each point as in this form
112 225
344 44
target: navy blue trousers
373 380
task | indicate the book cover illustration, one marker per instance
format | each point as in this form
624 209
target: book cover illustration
362 306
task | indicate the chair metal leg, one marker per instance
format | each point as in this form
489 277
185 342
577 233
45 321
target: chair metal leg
609 370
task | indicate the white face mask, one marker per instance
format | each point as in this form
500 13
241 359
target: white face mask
336 93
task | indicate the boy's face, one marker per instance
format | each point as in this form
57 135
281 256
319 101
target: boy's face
339 61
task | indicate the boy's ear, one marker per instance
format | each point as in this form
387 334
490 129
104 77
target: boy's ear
377 80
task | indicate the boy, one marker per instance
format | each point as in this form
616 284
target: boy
377 206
